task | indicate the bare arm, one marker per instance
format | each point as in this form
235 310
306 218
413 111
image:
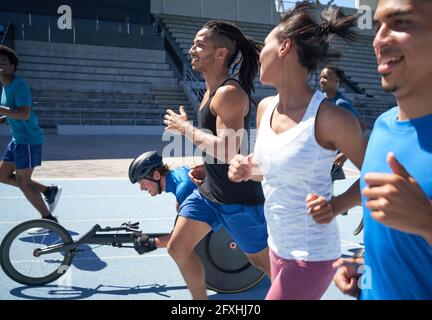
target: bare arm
21 113
338 129
230 105
244 168
341 158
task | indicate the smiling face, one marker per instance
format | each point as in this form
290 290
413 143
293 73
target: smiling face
202 52
150 186
403 45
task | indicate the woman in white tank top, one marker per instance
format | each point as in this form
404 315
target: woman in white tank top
298 136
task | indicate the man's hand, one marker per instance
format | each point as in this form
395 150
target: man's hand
319 208
197 174
241 168
176 122
398 201
346 277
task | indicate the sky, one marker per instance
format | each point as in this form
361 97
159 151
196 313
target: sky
343 3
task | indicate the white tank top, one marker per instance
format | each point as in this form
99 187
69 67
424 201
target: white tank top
293 165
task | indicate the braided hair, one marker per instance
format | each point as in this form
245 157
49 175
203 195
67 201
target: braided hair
229 36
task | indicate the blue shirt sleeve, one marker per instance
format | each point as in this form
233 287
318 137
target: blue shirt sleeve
348 106
184 189
22 95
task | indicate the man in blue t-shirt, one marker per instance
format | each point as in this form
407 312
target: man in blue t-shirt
396 176
330 78
24 152
156 177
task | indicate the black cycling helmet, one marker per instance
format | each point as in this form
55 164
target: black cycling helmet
143 165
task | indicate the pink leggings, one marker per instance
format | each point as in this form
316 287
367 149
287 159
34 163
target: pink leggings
299 280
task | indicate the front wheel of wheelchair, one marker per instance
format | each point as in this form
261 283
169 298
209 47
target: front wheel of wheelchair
18 258
227 268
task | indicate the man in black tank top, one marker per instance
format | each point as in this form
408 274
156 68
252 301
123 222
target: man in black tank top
223 119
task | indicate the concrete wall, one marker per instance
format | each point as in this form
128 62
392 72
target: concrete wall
134 11
39 27
258 11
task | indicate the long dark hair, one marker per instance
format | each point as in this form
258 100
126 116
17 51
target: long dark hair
311 38
228 35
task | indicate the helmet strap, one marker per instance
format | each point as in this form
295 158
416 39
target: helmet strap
158 183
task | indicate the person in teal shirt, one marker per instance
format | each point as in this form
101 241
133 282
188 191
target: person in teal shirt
24 151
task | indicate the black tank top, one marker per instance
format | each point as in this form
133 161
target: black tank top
217 187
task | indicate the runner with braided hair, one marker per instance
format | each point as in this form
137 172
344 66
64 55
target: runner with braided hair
224 120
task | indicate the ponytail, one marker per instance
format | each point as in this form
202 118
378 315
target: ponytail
333 21
311 38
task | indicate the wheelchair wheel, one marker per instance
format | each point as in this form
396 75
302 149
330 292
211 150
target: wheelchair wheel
227 268
17 251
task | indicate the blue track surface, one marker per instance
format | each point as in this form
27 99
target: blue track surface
113 273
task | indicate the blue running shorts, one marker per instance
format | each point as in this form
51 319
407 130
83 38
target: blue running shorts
23 155
245 223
